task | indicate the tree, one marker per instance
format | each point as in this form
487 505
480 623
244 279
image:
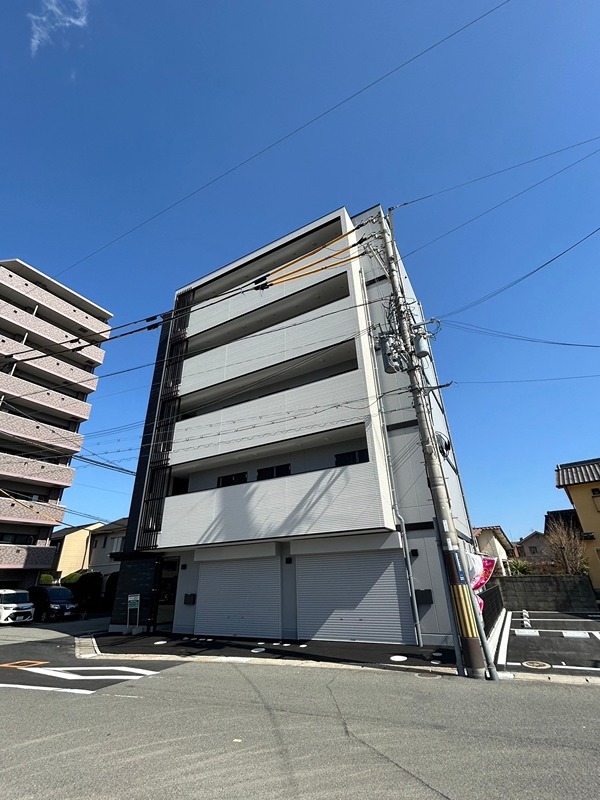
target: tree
565 547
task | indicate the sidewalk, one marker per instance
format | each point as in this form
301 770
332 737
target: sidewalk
357 653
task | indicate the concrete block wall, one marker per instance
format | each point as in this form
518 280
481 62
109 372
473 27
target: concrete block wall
566 593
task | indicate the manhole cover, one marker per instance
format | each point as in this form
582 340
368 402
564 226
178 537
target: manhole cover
536 665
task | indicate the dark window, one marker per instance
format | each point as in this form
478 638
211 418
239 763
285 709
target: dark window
104 541
180 485
533 549
280 471
232 480
351 457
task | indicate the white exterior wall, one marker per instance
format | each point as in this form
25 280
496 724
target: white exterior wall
277 417
272 346
341 499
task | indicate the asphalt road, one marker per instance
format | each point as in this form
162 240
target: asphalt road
42 658
554 643
223 731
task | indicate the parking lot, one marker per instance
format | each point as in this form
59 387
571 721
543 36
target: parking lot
42 658
552 642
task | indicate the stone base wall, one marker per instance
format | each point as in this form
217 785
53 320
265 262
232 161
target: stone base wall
567 593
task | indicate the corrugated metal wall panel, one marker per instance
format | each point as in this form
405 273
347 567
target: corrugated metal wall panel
283 415
239 598
207 316
360 597
326 501
250 354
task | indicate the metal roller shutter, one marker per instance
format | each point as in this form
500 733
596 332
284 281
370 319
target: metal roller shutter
239 598
361 597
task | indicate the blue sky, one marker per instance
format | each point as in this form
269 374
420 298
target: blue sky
114 110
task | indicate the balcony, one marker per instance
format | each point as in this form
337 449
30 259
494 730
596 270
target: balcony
16 319
42 399
47 366
26 512
38 433
284 415
65 314
276 347
245 303
26 556
328 501
32 471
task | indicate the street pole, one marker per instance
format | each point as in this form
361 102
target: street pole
460 590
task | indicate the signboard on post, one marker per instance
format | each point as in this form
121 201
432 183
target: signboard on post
133 604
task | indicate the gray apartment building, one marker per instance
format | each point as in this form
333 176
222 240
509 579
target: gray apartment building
49 337
282 490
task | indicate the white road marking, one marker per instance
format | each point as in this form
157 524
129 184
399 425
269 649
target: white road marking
43 688
503 645
72 673
586 669
596 634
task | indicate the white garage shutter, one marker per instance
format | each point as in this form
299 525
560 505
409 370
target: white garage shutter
360 597
239 598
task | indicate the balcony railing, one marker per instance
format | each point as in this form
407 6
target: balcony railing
35 471
44 399
51 368
50 334
327 501
22 428
25 556
73 318
28 512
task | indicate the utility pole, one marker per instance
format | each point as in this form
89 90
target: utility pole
467 622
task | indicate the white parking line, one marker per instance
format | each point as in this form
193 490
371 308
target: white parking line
72 673
43 688
586 669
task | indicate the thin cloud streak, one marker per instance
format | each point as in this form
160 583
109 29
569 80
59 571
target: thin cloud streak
56 15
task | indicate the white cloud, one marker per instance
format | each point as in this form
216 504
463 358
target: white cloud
56 15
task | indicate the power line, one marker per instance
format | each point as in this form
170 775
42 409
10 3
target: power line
510 285
260 282
492 174
526 380
469 328
499 205
282 139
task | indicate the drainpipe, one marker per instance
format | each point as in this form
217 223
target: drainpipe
411 583
392 487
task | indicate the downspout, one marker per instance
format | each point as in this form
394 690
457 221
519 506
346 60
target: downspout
395 507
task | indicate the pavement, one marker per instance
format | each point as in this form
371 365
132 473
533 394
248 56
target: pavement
350 653
552 643
222 731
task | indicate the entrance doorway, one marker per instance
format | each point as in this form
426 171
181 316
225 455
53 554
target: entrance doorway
167 590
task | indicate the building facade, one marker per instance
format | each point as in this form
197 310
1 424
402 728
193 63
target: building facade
49 349
281 490
493 542
581 482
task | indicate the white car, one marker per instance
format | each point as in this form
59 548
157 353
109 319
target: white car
15 606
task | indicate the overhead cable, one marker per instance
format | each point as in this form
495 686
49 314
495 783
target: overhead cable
285 137
522 278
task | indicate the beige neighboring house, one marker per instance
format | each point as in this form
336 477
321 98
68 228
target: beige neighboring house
533 548
73 548
104 541
493 542
581 482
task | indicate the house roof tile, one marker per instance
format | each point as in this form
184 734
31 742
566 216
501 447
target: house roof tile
578 472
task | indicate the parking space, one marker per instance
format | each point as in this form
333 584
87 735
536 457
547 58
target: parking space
548 641
42 658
